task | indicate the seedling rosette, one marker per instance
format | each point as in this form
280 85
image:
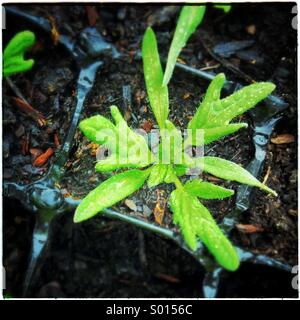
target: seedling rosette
212 118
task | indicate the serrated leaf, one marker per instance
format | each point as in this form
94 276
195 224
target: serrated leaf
228 170
215 112
128 148
157 175
206 190
157 93
240 102
212 95
189 19
110 192
94 126
213 134
13 56
196 221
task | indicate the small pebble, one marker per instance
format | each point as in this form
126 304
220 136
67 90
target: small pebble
251 29
131 204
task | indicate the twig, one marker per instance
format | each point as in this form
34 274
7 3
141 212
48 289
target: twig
210 67
267 175
24 105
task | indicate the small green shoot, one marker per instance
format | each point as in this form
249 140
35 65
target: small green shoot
13 56
225 7
158 93
189 19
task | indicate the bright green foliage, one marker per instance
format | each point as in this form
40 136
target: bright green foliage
206 190
128 149
213 117
225 7
157 175
216 112
158 93
212 134
110 192
228 170
13 56
195 220
189 19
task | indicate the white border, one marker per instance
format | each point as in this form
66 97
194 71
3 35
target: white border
120 2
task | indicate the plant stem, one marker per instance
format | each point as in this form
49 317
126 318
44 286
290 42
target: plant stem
177 182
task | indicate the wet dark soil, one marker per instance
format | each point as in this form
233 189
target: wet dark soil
103 258
48 88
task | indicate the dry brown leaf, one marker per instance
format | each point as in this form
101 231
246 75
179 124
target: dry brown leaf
43 158
249 228
92 15
147 125
159 210
54 32
27 108
35 152
283 138
167 277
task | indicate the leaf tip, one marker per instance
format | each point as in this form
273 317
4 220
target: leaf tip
234 264
269 190
221 76
230 192
77 216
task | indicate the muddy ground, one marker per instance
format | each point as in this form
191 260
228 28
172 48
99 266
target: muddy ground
103 258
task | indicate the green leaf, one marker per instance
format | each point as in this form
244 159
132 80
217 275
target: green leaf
174 171
196 221
213 134
95 128
111 164
134 143
158 93
233 172
216 112
206 190
110 192
157 175
224 7
180 170
189 19
212 95
13 56
239 102
128 148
